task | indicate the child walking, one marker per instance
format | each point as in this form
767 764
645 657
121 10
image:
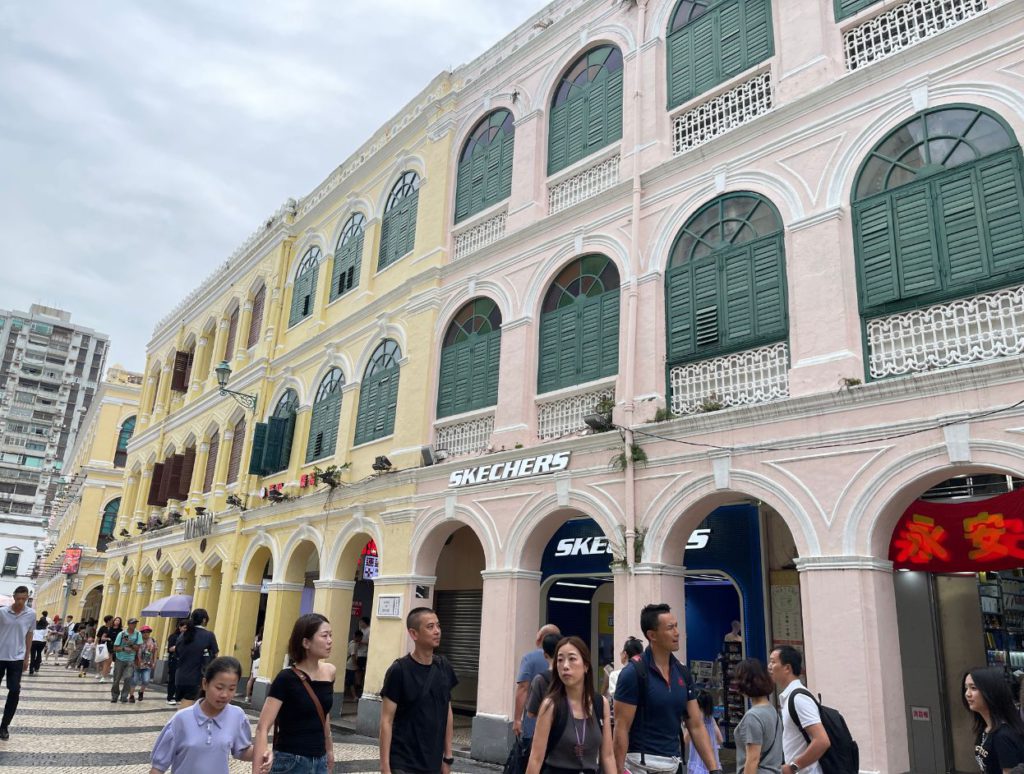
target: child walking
144 666
694 763
203 735
86 656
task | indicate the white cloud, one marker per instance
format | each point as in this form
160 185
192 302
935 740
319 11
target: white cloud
140 143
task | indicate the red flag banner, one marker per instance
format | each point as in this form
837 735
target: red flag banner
72 558
961 537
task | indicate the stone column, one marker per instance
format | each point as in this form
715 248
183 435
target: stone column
241 626
333 599
809 60
509 622
219 341
220 471
527 200
202 595
514 414
199 360
128 500
163 394
195 487
212 602
850 629
284 601
111 596
242 335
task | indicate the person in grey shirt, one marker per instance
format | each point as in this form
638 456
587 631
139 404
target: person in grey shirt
16 624
759 734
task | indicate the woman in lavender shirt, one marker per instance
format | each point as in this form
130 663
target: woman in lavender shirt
199 738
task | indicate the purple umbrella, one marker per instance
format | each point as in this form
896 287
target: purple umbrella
174 606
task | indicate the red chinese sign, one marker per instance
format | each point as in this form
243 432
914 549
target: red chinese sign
72 559
961 537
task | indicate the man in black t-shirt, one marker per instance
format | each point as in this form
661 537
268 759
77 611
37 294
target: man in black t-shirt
416 716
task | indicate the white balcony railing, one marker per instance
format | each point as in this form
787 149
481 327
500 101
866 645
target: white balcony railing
742 378
562 416
968 330
903 26
482 234
733 108
583 185
465 437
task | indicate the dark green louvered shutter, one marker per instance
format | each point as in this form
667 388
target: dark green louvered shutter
366 415
464 374
492 369
558 138
846 8
679 313
446 397
915 228
705 54
273 457
730 40
398 230
771 316
679 52
303 294
588 354
347 260
576 131
876 250
547 368
463 189
957 200
387 403
503 185
386 239
568 345
707 330
758 38
259 441
410 205
1002 208
323 427
737 311
609 334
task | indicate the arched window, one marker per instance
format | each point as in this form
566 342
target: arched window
123 436
579 324
726 279
272 440
323 426
398 226
378 394
485 165
259 300
211 461
235 460
348 256
304 289
937 211
470 356
710 41
107 524
586 110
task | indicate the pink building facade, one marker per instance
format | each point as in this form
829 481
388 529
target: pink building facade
844 354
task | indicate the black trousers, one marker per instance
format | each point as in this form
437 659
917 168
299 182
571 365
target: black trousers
13 671
37 657
172 667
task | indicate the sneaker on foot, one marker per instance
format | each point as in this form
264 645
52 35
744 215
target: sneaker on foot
125 701
4 734
131 700
113 701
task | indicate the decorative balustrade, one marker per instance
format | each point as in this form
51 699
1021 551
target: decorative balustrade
903 26
482 234
968 330
466 437
562 416
742 378
583 185
733 108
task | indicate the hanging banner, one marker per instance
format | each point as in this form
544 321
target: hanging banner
72 560
961 537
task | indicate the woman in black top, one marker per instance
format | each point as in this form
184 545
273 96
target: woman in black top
299 735
39 643
114 628
998 728
172 660
195 648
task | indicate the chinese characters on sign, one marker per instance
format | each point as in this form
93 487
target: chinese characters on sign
961 537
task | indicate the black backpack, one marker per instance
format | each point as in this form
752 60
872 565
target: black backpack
561 719
640 667
843 755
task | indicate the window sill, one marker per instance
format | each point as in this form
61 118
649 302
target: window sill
395 262
387 437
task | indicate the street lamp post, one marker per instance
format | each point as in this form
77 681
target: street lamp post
244 399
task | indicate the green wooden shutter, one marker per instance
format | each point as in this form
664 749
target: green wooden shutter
492 368
596 119
464 189
737 310
446 382
680 69
303 293
706 305
730 41
706 54
547 367
345 274
771 316
588 353
915 232
324 441
758 38
679 313
609 334
391 407
276 429
1002 209
576 133
386 237
259 441
504 187
613 106
876 251
558 138
411 207
479 179
463 375
846 8
957 202
568 345
366 414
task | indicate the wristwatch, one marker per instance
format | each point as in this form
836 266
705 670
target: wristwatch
794 767
447 761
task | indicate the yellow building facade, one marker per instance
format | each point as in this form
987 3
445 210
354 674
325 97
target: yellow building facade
89 499
323 324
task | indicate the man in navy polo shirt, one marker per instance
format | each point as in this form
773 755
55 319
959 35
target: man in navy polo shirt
647 727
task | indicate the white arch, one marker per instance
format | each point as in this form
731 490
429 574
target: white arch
612 34
309 240
218 553
483 527
254 285
305 533
583 502
387 331
408 162
261 540
351 206
357 525
335 360
462 296
284 383
545 272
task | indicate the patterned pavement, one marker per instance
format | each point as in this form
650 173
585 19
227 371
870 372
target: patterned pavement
67 725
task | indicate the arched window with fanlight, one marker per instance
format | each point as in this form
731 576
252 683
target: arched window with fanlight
470 358
378 394
323 424
348 256
725 286
710 41
398 225
579 324
586 108
938 211
304 289
124 435
484 175
108 521
272 440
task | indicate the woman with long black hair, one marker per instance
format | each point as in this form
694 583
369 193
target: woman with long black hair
196 647
998 728
39 643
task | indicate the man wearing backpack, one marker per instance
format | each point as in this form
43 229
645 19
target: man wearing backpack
653 696
803 741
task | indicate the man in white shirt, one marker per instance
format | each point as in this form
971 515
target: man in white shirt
16 624
785 664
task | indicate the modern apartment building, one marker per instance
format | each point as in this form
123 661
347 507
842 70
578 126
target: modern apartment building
48 376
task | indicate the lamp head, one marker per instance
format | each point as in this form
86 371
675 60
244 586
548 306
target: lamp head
223 372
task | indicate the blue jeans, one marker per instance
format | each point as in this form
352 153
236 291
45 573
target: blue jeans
289 763
142 677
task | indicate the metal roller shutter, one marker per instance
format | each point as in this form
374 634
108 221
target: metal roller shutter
459 615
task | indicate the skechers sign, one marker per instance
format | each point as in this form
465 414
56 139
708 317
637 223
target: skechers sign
508 471
593 546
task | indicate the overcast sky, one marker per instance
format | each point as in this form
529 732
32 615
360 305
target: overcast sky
142 142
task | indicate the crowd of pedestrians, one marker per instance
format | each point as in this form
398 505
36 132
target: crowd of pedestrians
650 718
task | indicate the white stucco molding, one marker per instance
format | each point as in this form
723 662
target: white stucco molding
334 584
546 270
281 586
512 574
541 509
262 540
404 580
467 514
657 568
305 534
813 563
253 587
466 292
357 528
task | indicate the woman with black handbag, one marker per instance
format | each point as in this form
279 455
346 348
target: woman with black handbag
299 704
759 733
